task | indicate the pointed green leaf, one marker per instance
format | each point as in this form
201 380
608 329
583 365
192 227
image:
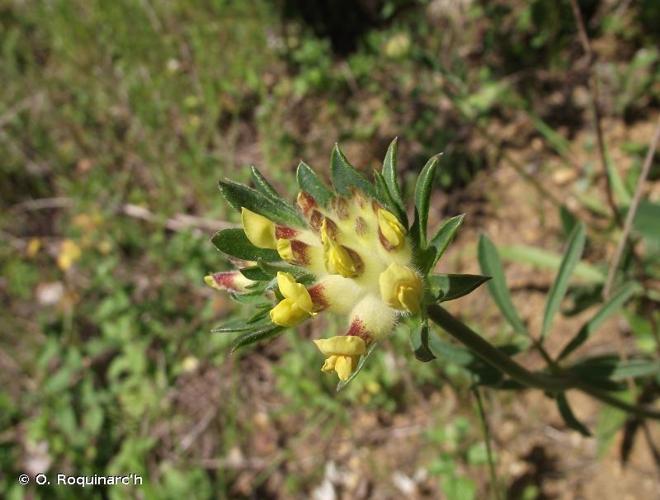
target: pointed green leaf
572 256
440 242
569 417
238 195
263 186
240 325
490 264
234 242
446 287
391 181
611 367
343 383
311 184
609 308
256 336
256 273
384 196
423 190
345 177
419 340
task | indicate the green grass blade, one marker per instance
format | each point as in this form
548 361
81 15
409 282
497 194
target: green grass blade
490 264
609 308
544 259
572 256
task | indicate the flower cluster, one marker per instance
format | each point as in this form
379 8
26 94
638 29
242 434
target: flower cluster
347 251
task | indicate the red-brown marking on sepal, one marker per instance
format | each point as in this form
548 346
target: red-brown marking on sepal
317 293
357 260
361 226
359 199
375 206
383 241
340 206
306 202
300 252
226 280
315 220
285 233
357 329
331 228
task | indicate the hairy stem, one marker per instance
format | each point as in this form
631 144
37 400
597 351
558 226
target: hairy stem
552 383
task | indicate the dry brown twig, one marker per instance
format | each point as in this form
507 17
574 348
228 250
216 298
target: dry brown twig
632 210
594 96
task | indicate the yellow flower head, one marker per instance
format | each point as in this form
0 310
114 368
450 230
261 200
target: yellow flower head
342 354
352 246
258 229
401 288
297 304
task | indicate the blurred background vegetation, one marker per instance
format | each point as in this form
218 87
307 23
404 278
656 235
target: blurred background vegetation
117 119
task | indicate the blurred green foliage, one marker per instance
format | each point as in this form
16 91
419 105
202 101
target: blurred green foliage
123 115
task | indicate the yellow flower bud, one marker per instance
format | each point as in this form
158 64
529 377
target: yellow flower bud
297 305
338 259
258 229
401 288
391 231
343 353
233 281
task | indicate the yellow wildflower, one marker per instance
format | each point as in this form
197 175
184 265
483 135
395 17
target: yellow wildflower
343 353
297 304
401 288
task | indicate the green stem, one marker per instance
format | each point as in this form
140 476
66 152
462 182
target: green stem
552 383
494 483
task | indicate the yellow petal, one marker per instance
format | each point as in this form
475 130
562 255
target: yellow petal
401 288
390 228
339 261
295 292
342 345
285 250
258 229
329 364
287 313
344 366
